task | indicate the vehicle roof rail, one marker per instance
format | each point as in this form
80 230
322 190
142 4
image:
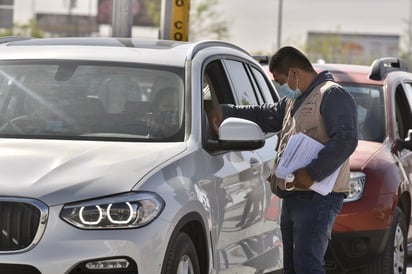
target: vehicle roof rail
6 39
381 67
262 59
209 43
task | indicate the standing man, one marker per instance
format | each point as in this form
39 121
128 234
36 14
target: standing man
317 106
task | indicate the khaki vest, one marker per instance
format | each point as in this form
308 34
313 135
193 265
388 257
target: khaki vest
308 120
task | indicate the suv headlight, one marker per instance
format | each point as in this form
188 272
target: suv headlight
356 184
128 210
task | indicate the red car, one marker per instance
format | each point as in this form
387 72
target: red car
370 234
371 230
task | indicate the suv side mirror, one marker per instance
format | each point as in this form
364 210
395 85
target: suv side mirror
238 134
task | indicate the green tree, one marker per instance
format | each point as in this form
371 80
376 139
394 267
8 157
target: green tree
206 22
25 29
406 47
153 8
325 48
332 48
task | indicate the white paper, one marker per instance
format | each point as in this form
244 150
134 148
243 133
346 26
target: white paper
299 152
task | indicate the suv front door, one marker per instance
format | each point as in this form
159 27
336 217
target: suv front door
245 198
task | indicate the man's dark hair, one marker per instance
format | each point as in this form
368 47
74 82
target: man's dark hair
288 57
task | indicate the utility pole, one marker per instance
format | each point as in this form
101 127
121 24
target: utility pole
122 18
175 20
6 14
280 11
410 32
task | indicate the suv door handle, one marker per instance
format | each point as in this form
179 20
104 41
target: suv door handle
254 165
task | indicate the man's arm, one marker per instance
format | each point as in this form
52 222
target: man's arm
268 116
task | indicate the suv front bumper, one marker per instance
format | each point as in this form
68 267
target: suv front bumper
65 249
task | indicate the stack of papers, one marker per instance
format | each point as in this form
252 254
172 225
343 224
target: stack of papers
299 152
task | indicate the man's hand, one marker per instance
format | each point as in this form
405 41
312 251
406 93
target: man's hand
302 179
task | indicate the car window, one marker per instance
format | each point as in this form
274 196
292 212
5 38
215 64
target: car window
91 100
402 112
408 92
370 108
215 81
251 88
215 90
263 89
255 87
241 83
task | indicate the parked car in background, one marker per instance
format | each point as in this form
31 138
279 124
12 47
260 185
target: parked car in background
371 231
108 165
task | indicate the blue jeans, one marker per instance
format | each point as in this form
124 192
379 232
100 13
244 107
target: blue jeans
306 223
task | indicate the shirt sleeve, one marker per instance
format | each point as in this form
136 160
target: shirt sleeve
268 116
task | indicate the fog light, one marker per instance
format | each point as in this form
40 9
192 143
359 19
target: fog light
108 264
356 247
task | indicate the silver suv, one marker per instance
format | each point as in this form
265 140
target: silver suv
108 165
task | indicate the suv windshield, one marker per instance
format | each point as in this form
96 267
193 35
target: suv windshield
370 106
93 100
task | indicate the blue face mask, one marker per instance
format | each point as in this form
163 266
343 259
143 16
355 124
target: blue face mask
288 92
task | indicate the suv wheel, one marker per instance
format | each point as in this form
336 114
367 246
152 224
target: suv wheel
181 257
393 258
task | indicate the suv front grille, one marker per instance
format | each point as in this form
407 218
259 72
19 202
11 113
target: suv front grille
22 223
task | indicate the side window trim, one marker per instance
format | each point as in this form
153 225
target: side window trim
269 84
255 85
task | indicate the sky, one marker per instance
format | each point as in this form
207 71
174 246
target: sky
253 24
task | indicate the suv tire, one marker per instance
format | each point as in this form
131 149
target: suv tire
181 256
393 258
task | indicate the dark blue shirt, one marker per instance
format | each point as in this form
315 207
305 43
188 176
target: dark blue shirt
338 110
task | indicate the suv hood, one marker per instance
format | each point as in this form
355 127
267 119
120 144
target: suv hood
364 153
57 171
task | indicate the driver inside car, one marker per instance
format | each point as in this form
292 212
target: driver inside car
164 120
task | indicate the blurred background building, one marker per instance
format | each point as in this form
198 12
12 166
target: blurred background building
355 31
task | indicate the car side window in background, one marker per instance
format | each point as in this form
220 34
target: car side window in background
403 112
241 83
408 92
370 108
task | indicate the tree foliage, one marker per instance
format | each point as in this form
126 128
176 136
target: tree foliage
153 9
24 29
324 48
206 22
